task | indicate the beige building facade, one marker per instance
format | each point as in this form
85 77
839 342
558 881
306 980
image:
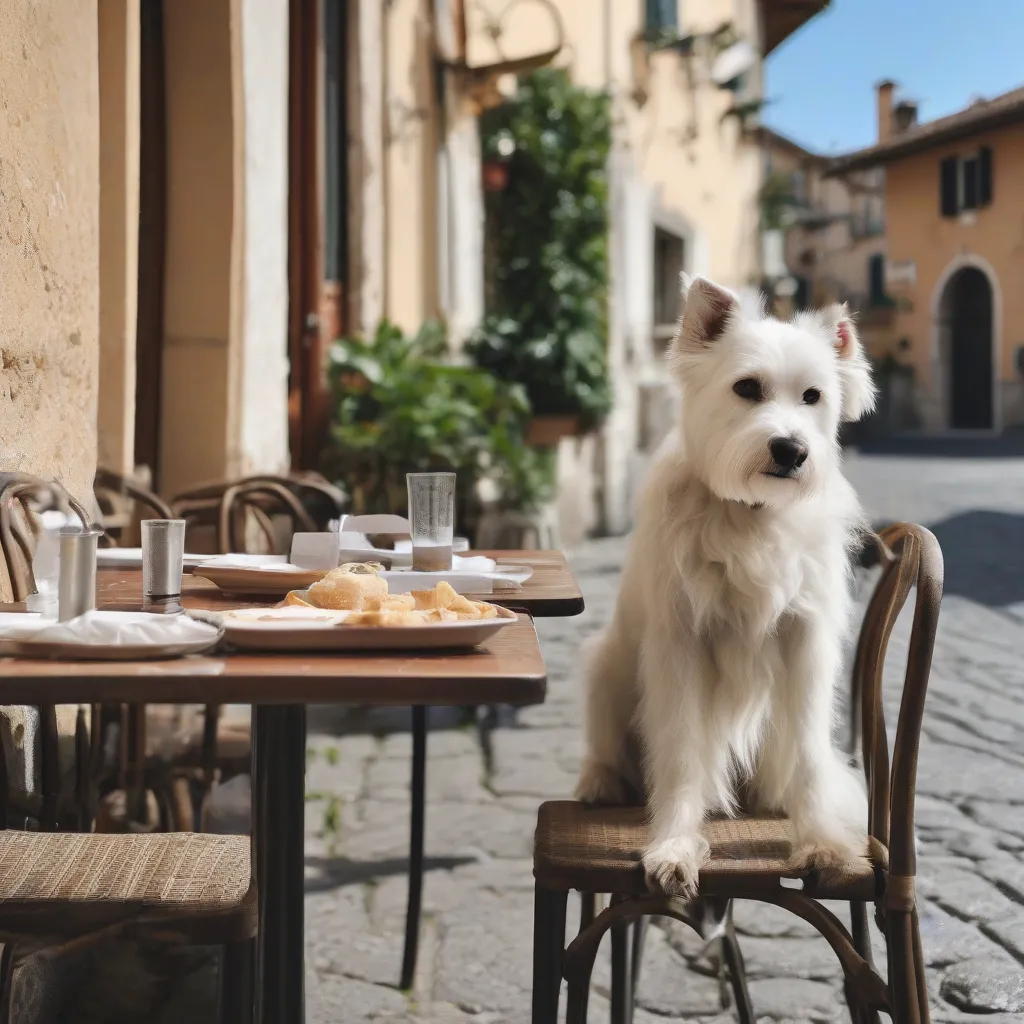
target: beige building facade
827 241
200 194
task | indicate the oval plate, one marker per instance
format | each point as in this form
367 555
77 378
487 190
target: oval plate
304 629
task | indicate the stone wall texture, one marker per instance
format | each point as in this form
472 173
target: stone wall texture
49 260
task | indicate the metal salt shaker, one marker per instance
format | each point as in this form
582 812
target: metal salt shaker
76 588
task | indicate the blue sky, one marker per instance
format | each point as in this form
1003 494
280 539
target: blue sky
942 53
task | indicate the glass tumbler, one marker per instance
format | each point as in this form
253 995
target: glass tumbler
163 562
431 520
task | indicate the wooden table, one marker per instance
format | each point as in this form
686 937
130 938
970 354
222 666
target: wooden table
551 592
508 669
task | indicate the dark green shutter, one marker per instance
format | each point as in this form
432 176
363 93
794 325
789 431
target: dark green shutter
876 279
948 187
662 16
985 176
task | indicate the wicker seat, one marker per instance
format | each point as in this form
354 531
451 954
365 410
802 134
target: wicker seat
597 850
60 885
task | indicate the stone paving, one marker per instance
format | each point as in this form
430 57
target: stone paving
475 952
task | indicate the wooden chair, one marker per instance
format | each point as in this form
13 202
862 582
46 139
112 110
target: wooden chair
598 850
307 499
21 495
121 499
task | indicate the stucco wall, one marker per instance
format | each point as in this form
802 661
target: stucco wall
995 237
49 207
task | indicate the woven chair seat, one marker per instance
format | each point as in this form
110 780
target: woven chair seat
61 884
598 849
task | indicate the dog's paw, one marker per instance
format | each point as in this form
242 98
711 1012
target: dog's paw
600 784
672 865
828 854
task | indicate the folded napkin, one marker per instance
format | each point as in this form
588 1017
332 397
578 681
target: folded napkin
105 628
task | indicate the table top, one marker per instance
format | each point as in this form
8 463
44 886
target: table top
506 669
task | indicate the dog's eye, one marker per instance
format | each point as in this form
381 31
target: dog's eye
749 388
812 396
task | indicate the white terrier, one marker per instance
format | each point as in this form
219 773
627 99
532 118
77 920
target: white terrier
721 660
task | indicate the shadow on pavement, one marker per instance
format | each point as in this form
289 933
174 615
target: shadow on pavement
338 872
1008 445
983 553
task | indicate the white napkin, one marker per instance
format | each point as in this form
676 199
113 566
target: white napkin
108 628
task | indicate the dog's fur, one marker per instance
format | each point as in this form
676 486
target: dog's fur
720 663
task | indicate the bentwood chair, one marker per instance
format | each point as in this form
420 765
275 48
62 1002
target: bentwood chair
67 889
598 850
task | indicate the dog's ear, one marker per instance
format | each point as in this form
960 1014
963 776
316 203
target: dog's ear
859 391
704 313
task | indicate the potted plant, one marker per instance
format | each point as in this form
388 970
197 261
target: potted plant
402 405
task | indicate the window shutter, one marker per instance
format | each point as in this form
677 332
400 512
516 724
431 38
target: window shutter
662 15
985 176
970 173
876 279
947 187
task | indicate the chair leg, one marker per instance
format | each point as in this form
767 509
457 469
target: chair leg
549 907
737 972
622 976
860 932
636 956
236 982
903 981
921 977
6 982
419 797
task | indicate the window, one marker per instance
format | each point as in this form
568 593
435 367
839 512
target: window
662 18
965 182
877 295
669 253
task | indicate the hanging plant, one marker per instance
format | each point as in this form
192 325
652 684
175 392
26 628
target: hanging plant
547 248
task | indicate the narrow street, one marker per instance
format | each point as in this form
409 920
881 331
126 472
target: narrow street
475 952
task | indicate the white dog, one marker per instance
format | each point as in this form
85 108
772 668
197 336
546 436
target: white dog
722 657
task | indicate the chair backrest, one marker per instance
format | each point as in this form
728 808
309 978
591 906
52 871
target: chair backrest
22 494
121 498
909 554
308 500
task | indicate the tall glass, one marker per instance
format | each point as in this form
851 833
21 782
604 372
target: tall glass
163 562
431 520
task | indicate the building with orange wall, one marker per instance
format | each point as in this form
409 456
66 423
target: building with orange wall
954 231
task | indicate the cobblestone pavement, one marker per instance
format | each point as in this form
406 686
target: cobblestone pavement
475 952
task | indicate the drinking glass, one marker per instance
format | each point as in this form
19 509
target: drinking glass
163 562
431 520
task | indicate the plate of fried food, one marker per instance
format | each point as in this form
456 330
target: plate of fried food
350 609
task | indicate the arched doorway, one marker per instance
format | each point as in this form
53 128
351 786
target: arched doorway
967 317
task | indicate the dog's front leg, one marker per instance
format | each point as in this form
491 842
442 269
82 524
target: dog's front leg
678 765
825 798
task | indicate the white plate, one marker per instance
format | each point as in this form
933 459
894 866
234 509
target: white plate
277 579
20 636
312 629
131 558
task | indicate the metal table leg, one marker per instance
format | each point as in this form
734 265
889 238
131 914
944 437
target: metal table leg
419 799
278 836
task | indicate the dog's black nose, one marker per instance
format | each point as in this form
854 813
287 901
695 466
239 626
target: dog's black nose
787 453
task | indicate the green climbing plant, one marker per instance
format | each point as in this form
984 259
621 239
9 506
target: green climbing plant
547 247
